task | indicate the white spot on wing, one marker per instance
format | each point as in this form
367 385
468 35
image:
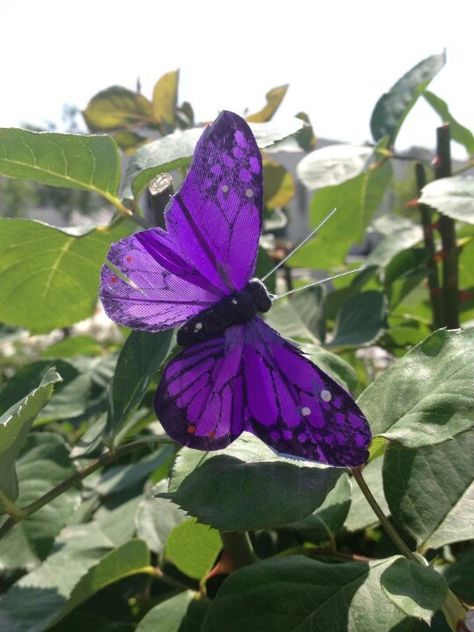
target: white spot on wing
305 411
249 193
225 188
325 395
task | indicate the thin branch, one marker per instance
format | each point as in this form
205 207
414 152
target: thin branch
238 544
447 230
427 224
75 478
387 525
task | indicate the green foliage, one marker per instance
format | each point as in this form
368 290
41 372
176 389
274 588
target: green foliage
55 284
105 523
393 107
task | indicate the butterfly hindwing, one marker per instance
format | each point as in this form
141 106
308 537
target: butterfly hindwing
251 379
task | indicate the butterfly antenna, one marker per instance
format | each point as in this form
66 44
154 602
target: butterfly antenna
320 282
305 240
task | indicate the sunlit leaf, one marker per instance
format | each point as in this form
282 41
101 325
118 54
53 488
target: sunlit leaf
116 107
274 98
393 106
193 548
451 196
74 161
426 397
50 277
333 165
279 186
356 201
165 95
175 151
458 132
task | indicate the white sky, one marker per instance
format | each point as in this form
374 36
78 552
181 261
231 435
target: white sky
338 57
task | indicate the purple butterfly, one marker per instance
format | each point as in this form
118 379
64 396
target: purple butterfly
235 372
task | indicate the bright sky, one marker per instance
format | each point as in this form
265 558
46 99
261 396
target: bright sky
338 57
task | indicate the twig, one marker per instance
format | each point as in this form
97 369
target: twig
427 224
238 544
387 525
72 480
447 230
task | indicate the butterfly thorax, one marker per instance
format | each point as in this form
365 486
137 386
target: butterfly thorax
235 309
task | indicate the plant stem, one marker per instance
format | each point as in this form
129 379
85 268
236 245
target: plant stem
238 544
427 224
387 525
75 478
11 509
447 230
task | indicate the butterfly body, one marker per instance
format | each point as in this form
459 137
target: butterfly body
234 373
234 309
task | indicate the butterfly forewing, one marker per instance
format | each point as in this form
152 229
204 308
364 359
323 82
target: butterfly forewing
216 215
210 246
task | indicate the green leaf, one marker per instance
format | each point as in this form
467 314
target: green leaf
453 197
73 346
118 523
356 201
129 559
166 616
193 548
430 490
165 96
459 133
290 323
361 321
393 106
333 165
46 590
395 241
14 426
205 486
426 397
43 464
175 151
156 518
459 574
81 391
323 523
138 364
416 590
361 515
116 107
120 478
334 365
74 161
274 97
48 277
299 594
279 186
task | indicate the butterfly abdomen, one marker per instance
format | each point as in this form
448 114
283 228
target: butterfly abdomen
236 309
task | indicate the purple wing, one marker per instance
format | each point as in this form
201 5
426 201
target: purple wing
216 216
252 379
210 246
154 288
199 398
